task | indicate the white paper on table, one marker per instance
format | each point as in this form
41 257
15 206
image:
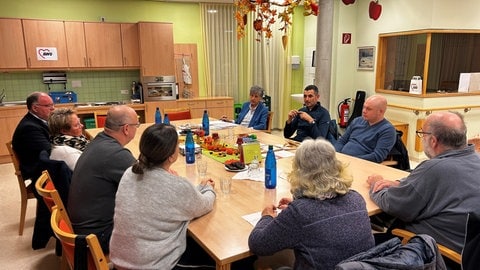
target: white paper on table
218 125
258 176
284 154
253 218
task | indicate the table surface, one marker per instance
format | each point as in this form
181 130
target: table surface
223 233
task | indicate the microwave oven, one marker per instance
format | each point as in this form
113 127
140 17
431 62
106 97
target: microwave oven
159 88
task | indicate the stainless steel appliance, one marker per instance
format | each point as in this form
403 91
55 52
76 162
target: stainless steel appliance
159 88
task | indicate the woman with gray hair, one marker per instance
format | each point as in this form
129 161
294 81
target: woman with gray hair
325 222
254 113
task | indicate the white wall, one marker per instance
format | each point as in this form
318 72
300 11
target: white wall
397 15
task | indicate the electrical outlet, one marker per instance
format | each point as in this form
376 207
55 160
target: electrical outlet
124 92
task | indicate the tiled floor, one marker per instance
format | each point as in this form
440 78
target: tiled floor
15 250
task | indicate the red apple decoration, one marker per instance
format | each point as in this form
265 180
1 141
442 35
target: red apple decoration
348 2
257 24
314 7
374 10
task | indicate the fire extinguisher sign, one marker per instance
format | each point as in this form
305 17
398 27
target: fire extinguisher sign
47 54
346 38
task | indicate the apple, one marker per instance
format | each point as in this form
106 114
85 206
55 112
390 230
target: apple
348 2
314 7
374 10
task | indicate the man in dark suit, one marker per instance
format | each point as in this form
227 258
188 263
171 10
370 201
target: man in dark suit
31 135
29 139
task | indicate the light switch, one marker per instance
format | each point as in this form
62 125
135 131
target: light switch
76 83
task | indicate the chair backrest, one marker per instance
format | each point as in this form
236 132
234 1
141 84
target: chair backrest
178 114
96 258
446 252
398 156
45 187
100 118
475 141
269 122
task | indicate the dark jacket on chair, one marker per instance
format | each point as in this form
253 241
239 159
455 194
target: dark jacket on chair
421 252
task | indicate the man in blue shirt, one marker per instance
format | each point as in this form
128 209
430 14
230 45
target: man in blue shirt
311 121
371 136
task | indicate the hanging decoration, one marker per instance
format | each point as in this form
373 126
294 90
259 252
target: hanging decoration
348 2
374 10
267 12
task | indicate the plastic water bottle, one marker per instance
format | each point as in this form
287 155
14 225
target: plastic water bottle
270 169
166 120
189 148
206 123
158 116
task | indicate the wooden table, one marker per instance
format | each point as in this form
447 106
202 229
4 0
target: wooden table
223 233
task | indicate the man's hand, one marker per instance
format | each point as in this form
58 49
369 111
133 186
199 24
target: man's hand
305 116
377 182
291 115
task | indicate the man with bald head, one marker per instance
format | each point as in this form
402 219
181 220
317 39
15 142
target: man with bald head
371 136
98 171
437 195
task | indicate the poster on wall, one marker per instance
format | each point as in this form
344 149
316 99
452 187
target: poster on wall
366 58
47 54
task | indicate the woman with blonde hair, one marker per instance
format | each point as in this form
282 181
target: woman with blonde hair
325 222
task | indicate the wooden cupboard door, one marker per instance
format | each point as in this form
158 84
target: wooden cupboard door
76 50
156 45
219 107
9 119
151 106
41 38
12 47
104 44
130 46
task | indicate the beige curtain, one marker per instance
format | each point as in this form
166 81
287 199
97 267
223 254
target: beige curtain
233 66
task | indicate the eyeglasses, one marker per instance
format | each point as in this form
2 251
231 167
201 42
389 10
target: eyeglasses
45 105
420 133
136 125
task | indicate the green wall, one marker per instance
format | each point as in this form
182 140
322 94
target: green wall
186 25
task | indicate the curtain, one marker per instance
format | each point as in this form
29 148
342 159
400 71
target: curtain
233 66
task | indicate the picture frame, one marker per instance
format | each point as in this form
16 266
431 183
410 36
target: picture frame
366 58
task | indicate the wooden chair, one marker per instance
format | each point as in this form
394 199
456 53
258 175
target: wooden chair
446 252
100 118
95 257
269 123
26 190
475 141
178 114
51 197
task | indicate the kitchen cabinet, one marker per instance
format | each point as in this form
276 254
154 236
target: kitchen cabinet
130 46
75 39
12 45
196 106
10 116
156 46
104 44
151 106
45 44
220 107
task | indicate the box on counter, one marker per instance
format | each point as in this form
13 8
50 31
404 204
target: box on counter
63 97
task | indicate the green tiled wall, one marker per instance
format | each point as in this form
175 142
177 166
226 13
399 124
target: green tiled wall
96 85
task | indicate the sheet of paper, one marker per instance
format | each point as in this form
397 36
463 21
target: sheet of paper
284 154
218 125
253 218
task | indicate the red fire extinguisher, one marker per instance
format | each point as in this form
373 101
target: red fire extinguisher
343 112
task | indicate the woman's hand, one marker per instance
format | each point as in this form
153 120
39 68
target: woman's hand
270 210
283 203
208 182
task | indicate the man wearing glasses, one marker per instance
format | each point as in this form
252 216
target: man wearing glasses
31 137
98 171
437 195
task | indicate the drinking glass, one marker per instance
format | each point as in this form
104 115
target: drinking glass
226 184
202 166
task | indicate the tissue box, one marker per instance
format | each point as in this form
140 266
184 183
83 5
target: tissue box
198 149
469 82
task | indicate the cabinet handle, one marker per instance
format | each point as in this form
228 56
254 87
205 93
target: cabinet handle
85 61
90 61
29 63
124 61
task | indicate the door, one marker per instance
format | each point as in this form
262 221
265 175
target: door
12 45
104 44
76 50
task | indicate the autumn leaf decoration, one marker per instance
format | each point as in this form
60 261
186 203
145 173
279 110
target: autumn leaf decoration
266 14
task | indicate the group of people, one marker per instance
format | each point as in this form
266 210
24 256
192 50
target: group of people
140 208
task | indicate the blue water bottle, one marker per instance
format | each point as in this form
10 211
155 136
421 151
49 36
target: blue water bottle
158 116
189 148
270 169
206 123
166 120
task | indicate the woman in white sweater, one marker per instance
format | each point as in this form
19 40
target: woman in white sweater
153 206
68 141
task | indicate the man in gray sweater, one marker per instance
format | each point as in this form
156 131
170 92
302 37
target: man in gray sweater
436 197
